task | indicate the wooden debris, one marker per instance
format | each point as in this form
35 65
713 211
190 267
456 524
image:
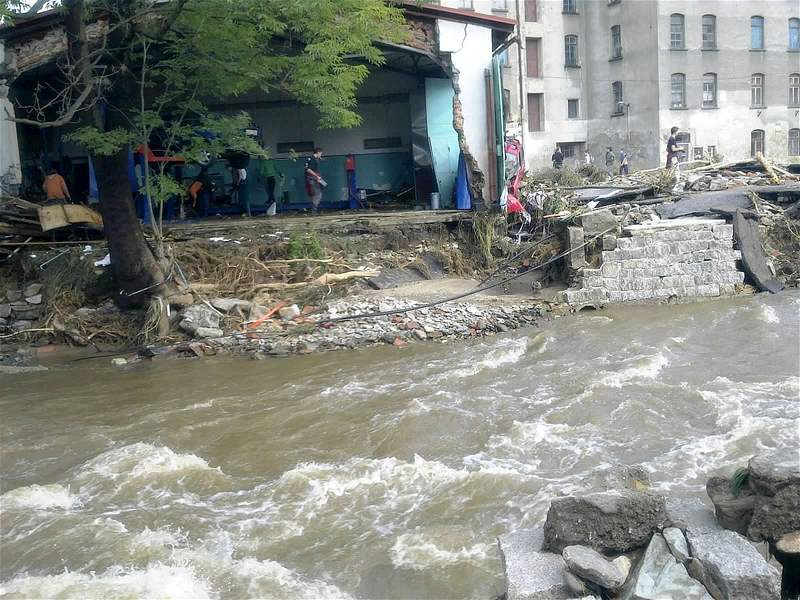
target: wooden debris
62 215
773 177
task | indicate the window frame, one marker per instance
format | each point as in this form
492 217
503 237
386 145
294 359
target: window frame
616 45
569 7
617 99
576 59
712 45
794 140
757 24
712 77
794 27
681 78
500 6
576 103
757 137
531 11
677 44
757 89
794 90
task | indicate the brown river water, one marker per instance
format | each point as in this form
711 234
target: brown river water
382 473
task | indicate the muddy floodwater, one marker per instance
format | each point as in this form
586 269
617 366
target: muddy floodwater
383 473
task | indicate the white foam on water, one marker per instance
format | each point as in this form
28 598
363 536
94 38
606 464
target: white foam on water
507 351
39 497
646 368
156 582
418 551
269 579
768 314
141 460
196 405
149 540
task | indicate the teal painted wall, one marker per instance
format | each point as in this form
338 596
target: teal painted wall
439 95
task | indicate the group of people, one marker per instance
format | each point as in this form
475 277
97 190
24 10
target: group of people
201 191
673 151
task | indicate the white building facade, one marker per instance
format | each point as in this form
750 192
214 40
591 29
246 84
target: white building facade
589 74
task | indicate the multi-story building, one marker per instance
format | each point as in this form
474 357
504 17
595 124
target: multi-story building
588 74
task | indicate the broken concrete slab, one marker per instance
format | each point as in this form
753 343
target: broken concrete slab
748 240
598 221
198 316
685 513
613 521
771 471
592 566
733 512
228 304
531 574
706 204
733 565
576 247
677 543
659 576
391 278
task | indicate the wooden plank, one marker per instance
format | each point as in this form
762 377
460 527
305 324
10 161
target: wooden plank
62 215
748 239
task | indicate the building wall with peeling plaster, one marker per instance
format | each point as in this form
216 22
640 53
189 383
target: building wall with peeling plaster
10 170
470 50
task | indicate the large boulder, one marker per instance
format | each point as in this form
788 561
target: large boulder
732 565
592 566
776 516
658 576
684 513
733 512
614 521
771 472
531 574
598 221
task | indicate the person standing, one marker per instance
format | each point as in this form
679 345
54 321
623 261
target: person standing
623 162
609 161
55 188
314 181
269 174
587 158
672 147
558 158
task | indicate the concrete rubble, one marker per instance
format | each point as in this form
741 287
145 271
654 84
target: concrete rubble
673 548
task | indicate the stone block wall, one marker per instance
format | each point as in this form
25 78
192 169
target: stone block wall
679 258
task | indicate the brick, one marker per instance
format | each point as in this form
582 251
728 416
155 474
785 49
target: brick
610 268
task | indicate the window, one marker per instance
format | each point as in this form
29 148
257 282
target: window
709 32
757 33
530 11
709 90
616 42
466 4
500 5
794 34
619 102
535 120
794 142
757 90
532 47
571 7
572 109
684 142
676 37
794 89
698 153
610 2
712 151
387 142
568 150
571 50
678 90
756 142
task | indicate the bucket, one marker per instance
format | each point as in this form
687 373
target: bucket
435 200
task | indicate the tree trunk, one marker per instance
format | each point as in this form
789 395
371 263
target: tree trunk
136 271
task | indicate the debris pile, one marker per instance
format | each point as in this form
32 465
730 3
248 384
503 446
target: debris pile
19 219
21 309
627 542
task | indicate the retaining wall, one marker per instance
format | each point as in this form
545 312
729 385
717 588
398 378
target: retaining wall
678 258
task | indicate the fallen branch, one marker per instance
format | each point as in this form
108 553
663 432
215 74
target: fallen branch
326 279
767 168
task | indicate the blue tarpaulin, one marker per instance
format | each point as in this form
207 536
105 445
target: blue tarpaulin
463 193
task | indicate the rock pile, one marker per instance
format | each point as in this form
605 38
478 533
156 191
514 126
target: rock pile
293 332
763 503
21 309
636 545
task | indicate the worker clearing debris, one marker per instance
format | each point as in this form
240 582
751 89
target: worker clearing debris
315 184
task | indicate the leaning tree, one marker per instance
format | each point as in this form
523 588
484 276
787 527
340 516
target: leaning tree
153 67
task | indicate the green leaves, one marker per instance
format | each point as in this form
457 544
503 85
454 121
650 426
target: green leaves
101 143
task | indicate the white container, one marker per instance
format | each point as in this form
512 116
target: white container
435 197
